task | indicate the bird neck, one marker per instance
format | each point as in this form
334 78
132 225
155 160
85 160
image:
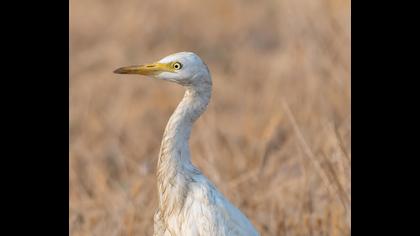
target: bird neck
175 169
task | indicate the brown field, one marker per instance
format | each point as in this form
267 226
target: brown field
275 139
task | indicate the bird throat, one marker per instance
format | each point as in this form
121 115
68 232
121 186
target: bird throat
175 171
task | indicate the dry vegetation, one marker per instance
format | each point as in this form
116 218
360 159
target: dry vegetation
275 138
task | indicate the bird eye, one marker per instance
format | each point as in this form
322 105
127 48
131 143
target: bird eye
177 66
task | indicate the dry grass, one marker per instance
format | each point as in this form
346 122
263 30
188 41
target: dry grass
275 138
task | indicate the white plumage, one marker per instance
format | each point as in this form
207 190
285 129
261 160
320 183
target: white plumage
189 204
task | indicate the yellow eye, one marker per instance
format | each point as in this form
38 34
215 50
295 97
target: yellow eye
177 66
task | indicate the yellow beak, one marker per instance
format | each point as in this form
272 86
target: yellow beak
148 69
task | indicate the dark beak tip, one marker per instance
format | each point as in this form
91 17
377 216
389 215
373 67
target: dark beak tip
118 71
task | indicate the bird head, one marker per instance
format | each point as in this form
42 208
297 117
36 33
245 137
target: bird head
184 68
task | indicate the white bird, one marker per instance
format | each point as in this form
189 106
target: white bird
189 204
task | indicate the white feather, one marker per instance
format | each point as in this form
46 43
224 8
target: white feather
189 204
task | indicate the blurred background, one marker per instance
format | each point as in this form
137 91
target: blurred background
275 139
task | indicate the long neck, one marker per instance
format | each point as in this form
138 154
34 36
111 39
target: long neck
175 170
